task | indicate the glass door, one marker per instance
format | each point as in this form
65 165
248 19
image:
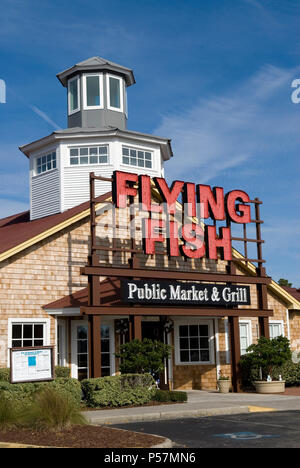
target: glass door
80 349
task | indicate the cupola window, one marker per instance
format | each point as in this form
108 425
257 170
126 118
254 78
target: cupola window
93 91
73 95
136 157
89 155
46 163
115 93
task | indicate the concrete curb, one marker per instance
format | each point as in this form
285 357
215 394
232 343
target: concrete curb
164 415
167 443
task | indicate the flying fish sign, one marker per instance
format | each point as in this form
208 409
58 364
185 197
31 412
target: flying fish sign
190 238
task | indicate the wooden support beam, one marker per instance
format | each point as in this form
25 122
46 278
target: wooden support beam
137 327
95 346
172 275
264 327
235 353
178 311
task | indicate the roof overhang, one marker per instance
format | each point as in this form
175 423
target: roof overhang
96 66
80 133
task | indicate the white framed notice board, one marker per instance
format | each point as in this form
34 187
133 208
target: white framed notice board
34 364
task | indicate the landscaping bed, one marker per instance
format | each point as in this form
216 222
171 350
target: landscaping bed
81 437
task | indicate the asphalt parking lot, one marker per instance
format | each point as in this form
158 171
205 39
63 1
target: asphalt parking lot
259 430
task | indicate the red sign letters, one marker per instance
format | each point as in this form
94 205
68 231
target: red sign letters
198 201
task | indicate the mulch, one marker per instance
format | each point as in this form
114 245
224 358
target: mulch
81 437
293 391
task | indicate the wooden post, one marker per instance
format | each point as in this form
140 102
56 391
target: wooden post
95 345
264 327
137 327
235 352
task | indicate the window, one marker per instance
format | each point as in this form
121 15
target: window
245 336
82 352
194 342
276 329
61 342
46 163
91 155
93 91
137 158
114 93
105 351
28 334
73 95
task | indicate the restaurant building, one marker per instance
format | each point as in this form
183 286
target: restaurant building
109 252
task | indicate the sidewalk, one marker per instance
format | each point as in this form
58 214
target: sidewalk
200 404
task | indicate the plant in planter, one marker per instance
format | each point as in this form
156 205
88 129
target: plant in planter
224 383
264 357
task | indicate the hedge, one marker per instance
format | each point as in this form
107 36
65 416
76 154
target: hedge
25 391
118 390
167 396
4 375
60 371
290 372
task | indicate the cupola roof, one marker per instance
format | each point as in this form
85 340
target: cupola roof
97 64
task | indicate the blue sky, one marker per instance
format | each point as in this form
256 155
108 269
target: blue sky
214 76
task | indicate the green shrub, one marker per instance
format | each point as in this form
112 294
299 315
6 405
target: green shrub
52 409
64 372
4 375
290 372
119 390
8 412
167 396
26 391
141 357
178 396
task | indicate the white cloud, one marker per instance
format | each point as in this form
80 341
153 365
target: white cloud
227 129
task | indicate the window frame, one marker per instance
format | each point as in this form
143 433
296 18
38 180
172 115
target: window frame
41 155
26 321
249 333
137 150
277 322
100 80
121 81
74 111
211 342
61 342
88 155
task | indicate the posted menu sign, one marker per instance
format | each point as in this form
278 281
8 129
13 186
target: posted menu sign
177 293
31 364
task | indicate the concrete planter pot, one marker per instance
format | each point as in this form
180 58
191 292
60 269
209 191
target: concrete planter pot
276 386
224 386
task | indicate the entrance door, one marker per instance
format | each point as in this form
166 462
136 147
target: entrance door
155 331
80 349
152 331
